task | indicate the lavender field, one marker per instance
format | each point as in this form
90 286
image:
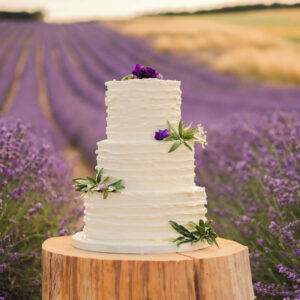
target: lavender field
53 76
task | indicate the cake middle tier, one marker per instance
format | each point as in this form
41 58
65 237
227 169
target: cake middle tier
147 166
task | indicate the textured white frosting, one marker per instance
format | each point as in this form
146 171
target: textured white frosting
132 217
137 108
159 186
147 166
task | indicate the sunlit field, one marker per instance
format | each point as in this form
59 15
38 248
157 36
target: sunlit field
258 45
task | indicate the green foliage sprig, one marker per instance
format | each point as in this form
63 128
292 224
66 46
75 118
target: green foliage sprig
128 77
98 184
202 231
184 134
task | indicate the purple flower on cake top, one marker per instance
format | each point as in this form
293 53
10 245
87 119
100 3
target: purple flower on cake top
145 72
161 134
141 72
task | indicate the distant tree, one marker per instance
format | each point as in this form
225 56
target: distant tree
22 15
230 9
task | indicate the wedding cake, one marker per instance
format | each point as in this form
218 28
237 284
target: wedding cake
143 193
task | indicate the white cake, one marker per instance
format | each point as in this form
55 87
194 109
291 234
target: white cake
159 186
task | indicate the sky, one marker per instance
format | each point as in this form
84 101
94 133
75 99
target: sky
64 10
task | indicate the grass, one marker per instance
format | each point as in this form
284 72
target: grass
257 45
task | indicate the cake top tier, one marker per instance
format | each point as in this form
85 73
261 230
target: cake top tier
136 108
141 86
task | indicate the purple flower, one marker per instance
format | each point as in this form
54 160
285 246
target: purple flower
32 210
161 134
263 172
62 232
39 206
36 282
3 267
145 72
102 187
30 167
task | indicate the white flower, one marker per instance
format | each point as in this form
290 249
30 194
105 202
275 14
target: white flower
200 136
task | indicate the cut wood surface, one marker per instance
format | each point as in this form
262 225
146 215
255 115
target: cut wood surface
208 274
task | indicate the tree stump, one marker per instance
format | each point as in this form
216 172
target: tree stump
208 274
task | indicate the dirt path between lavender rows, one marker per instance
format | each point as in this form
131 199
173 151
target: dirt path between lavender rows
79 166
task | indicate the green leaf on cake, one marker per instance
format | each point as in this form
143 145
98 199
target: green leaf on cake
201 232
188 146
173 131
98 175
91 180
180 128
106 179
175 146
97 184
185 135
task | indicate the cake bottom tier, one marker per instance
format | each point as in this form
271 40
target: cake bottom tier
79 240
139 222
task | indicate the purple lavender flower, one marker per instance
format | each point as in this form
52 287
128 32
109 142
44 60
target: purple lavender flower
145 72
32 210
62 232
263 171
39 206
37 282
161 134
3 267
31 169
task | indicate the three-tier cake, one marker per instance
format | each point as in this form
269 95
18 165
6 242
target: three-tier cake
157 185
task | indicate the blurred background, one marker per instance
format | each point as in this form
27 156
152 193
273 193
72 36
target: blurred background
239 64
232 58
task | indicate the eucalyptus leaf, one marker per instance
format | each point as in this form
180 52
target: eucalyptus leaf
91 184
92 180
201 232
98 175
184 134
188 146
106 179
105 194
173 131
170 138
180 128
175 146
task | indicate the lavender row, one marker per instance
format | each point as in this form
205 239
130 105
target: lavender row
26 103
82 125
8 70
79 83
6 47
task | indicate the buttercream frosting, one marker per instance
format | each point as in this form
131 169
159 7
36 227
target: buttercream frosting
159 186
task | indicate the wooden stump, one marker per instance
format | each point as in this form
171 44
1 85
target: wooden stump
208 274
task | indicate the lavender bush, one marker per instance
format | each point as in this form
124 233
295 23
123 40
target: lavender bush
35 197
252 174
